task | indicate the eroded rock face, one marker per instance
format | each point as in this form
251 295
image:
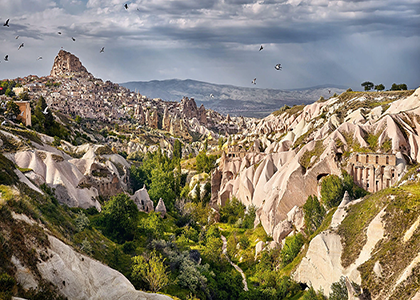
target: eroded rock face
80 277
288 155
189 108
67 64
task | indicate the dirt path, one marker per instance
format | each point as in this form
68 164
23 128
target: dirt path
234 265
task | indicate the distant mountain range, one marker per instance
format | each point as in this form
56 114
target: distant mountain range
229 99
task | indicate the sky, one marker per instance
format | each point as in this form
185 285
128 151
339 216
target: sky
317 42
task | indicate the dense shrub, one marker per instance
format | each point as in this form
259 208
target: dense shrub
332 191
291 248
120 217
314 214
232 211
205 163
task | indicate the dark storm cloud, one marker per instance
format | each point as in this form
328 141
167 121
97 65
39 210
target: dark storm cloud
173 37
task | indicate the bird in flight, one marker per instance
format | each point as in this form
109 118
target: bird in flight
329 91
39 58
17 37
20 46
102 50
6 58
261 47
6 23
45 111
278 67
126 6
59 32
254 81
211 96
73 39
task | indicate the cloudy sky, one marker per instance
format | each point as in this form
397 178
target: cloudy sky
316 41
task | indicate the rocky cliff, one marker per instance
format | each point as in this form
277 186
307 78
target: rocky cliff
67 64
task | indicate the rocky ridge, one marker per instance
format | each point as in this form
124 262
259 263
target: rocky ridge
294 149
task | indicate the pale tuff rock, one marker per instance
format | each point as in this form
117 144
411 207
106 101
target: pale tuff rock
377 269
351 293
142 200
60 174
139 114
67 64
340 213
282 230
77 181
274 180
409 233
296 217
24 275
80 277
322 264
161 208
258 248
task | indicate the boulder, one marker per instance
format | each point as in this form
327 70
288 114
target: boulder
160 208
281 230
258 248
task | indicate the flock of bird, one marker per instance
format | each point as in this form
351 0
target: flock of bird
278 67
6 24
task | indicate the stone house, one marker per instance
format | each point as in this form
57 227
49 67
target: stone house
373 171
25 112
142 200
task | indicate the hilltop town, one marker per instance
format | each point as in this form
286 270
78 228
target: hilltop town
71 90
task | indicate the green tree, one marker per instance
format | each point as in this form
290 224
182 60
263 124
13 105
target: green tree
9 92
232 211
379 87
163 186
24 96
151 269
398 87
231 245
314 214
57 141
339 290
12 109
81 221
332 191
291 248
249 217
205 163
177 149
120 216
152 226
78 119
45 120
367 85
311 294
355 192
403 86
221 142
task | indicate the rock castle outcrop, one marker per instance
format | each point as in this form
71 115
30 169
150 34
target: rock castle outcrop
67 64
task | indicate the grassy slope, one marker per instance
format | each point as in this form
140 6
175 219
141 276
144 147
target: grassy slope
402 210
